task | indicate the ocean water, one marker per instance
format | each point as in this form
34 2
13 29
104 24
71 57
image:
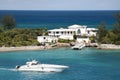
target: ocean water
85 64
58 19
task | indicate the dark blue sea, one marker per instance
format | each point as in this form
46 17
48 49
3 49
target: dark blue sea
58 19
85 64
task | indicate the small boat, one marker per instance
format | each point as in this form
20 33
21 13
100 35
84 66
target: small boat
36 66
78 46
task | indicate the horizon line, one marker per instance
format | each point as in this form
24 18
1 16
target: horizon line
57 10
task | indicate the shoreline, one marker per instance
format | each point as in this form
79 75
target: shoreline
22 48
58 45
27 48
109 47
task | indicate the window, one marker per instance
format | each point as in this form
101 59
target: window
57 32
68 32
78 32
44 37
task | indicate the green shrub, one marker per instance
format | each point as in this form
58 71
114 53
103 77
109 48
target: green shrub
65 40
20 37
117 42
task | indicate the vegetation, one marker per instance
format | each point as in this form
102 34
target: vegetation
93 39
65 41
11 36
79 36
109 36
21 37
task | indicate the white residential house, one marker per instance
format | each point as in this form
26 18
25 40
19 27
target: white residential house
68 33
62 33
72 30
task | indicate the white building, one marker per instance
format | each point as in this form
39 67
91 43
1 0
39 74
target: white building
47 39
85 40
72 30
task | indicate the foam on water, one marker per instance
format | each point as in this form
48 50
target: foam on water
8 69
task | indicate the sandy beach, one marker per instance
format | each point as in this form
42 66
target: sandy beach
22 48
2 49
58 45
109 46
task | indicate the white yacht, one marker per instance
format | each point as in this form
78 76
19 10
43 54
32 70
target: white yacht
36 66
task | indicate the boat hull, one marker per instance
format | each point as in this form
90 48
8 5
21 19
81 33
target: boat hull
43 68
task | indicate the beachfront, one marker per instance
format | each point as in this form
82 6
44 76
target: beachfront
108 46
58 45
25 48
2 49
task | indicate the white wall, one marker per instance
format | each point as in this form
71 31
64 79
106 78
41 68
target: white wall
82 31
66 37
44 39
87 40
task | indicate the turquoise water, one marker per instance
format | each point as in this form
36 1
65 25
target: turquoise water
85 64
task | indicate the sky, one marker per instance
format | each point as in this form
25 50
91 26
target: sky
59 4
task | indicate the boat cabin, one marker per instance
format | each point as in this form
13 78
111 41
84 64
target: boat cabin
34 62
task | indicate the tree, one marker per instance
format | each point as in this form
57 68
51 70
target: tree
110 38
116 28
102 31
8 22
106 40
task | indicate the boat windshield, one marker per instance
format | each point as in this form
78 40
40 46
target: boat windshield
34 62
